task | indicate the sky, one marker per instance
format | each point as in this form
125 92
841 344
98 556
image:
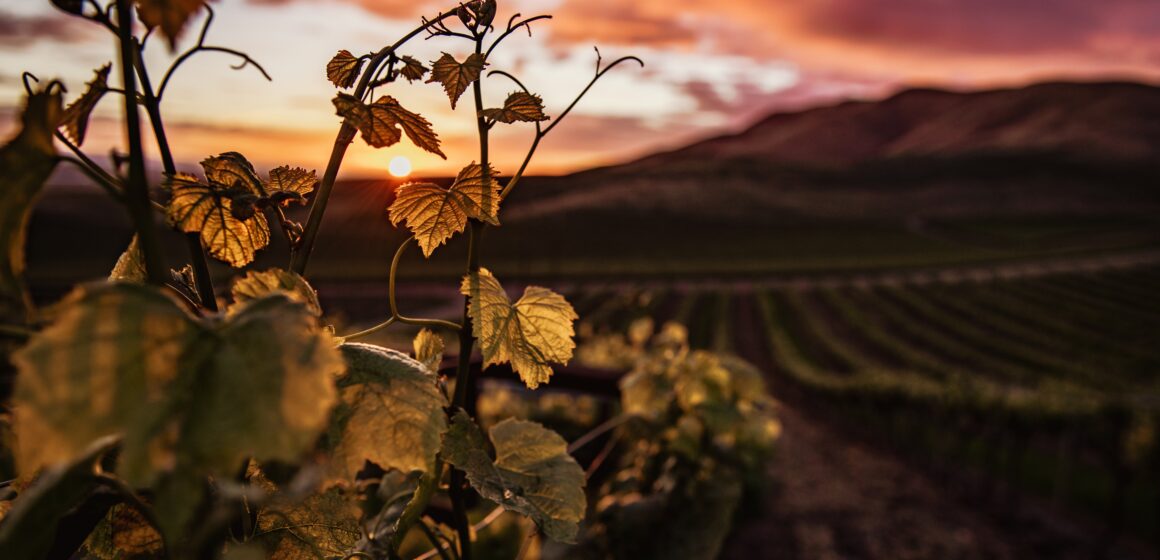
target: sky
710 68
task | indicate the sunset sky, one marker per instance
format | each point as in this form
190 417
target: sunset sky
711 67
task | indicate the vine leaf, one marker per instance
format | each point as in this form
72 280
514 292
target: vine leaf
429 349
434 213
29 528
324 525
390 412
532 474
75 119
381 121
189 397
534 332
412 69
290 184
456 76
123 533
519 106
130 265
26 161
170 15
343 69
206 209
258 284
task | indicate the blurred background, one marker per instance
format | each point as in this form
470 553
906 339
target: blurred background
931 225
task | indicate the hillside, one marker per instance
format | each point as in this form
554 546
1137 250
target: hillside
1047 149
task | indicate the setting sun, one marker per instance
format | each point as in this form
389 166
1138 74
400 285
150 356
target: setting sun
400 166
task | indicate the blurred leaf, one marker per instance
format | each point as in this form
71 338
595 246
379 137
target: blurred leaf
381 121
29 528
435 214
130 265
390 412
75 119
456 76
74 7
26 161
412 69
519 106
170 15
531 334
429 349
532 473
343 69
196 207
255 285
189 396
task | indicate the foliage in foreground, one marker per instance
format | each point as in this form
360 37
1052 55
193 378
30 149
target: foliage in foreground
149 422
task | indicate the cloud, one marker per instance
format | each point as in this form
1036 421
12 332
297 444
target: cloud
21 30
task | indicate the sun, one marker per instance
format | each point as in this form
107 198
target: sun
400 166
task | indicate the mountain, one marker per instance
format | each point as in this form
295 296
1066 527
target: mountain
1047 149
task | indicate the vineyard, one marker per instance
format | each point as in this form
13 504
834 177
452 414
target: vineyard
1040 386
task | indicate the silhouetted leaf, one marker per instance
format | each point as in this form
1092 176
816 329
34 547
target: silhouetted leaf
76 116
256 285
519 106
390 412
531 334
26 161
29 528
532 473
456 76
74 7
170 15
343 69
412 69
435 214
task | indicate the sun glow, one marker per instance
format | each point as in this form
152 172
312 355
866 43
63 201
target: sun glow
400 166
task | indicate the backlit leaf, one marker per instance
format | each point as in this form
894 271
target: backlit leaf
519 106
531 334
290 184
343 69
130 266
26 161
231 170
435 214
532 473
189 396
412 69
429 349
380 122
456 76
170 15
196 207
390 412
256 285
76 116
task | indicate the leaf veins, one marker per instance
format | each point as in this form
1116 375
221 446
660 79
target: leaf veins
381 121
531 334
519 106
456 76
206 209
434 213
343 69
412 69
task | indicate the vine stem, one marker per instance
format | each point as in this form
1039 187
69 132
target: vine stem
137 190
345 136
152 102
